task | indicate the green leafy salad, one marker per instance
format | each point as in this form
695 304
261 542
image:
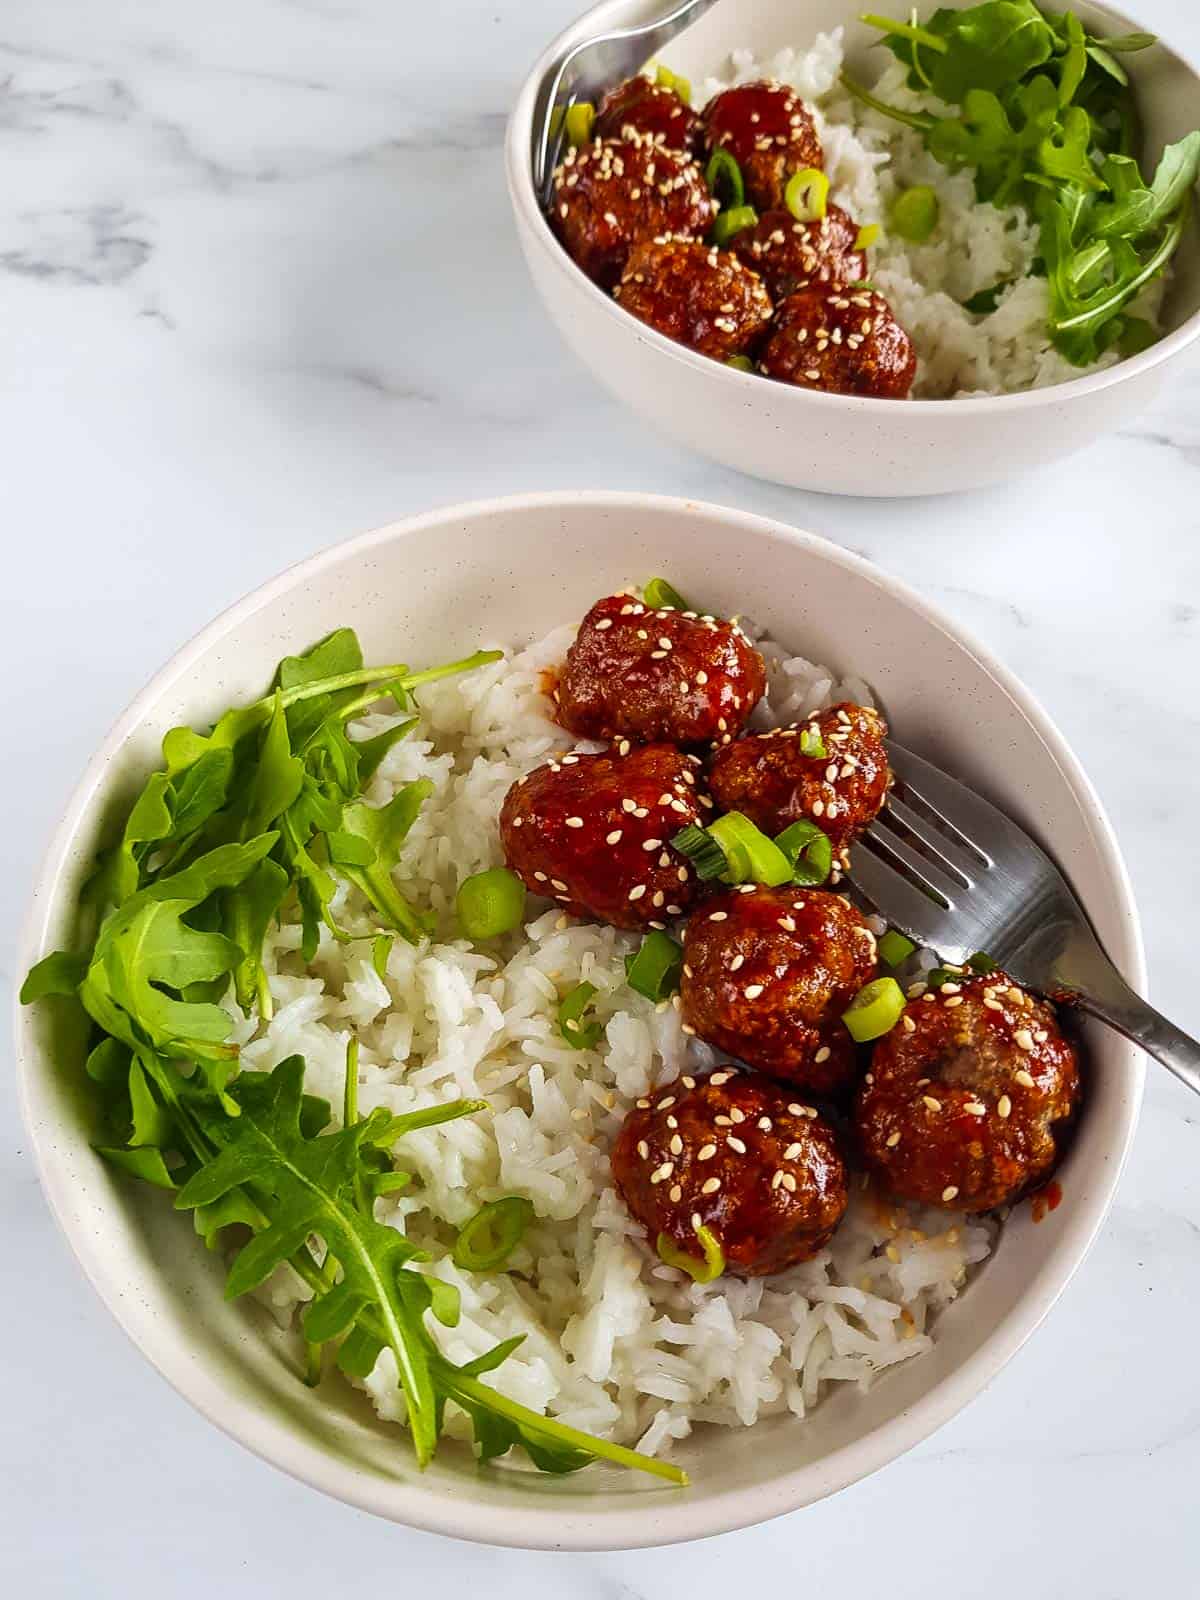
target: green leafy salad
256 819
1044 113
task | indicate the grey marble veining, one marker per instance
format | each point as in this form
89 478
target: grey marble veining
258 290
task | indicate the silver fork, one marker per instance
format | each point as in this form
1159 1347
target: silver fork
587 70
956 874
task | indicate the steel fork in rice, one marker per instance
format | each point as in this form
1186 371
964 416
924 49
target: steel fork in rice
956 874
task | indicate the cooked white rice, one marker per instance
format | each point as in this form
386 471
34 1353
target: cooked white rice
615 1342
870 159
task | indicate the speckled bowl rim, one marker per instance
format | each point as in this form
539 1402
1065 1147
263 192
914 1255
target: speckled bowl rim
519 169
562 1526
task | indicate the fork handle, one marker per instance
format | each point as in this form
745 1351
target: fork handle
1115 1003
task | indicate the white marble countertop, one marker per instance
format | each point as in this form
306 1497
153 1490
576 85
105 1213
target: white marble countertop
238 321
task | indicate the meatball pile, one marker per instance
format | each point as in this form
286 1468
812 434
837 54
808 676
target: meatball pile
634 209
962 1104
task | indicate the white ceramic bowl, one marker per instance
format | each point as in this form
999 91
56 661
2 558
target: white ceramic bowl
842 444
507 571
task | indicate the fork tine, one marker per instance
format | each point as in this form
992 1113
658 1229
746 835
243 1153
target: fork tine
960 810
940 885
901 902
961 864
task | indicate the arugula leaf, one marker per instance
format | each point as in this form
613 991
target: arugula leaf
311 1185
147 1164
1047 120
151 1123
249 909
1140 208
381 949
374 838
1073 65
145 950
61 972
991 46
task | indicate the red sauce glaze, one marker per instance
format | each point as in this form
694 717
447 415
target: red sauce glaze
1046 1200
769 778
969 1096
740 1156
658 675
695 294
593 832
790 255
651 111
840 338
610 194
767 974
770 133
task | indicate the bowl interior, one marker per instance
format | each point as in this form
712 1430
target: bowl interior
1168 87
506 572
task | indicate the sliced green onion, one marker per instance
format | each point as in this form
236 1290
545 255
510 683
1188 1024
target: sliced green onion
489 903
867 235
654 969
486 1241
732 222
659 596
740 363
713 1264
807 194
703 851
581 118
579 1034
894 948
723 173
808 851
750 856
914 214
875 1010
812 744
666 79
982 962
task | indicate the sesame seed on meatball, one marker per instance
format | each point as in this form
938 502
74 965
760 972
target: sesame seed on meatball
769 778
969 1095
593 833
695 294
738 1155
658 674
769 132
767 975
840 338
640 108
609 194
789 255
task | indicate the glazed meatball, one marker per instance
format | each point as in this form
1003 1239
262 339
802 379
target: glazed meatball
695 294
769 132
610 194
789 255
658 675
768 777
592 832
736 1154
968 1096
649 111
842 339
767 975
